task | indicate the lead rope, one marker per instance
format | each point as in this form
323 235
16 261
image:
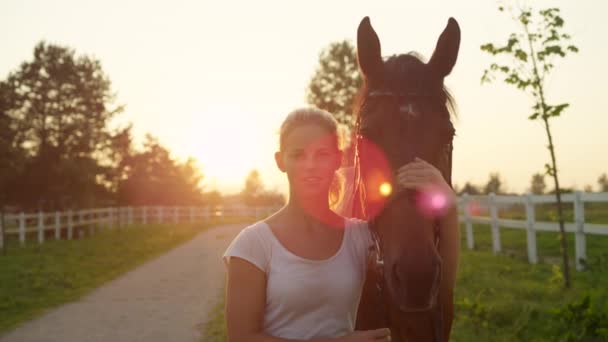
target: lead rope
378 269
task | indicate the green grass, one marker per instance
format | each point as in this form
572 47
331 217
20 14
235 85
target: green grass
215 329
37 277
503 297
594 212
513 243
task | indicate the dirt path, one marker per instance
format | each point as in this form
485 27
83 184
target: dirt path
166 299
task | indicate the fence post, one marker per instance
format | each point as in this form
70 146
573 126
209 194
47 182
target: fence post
206 214
111 217
144 215
175 214
40 226
57 225
530 232
579 238
2 229
22 228
70 224
467 221
81 233
130 215
495 229
191 214
160 214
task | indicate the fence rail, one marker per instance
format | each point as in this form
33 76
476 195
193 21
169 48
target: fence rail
64 224
88 221
468 205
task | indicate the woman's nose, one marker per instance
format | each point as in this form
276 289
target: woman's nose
309 161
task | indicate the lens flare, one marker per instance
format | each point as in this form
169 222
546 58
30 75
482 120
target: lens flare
433 202
375 173
385 189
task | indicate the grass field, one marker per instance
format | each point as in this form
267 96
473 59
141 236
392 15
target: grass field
36 277
504 298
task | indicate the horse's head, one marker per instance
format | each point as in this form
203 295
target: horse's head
402 114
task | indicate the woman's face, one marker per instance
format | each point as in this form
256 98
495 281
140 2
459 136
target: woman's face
310 157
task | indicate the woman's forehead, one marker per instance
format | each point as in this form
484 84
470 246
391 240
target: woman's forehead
310 136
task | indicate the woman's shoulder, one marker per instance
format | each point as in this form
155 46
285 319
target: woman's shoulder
254 233
359 230
252 244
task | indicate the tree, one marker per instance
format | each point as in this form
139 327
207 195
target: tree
494 184
254 193
470 189
336 81
152 177
538 185
530 54
59 105
603 182
12 155
254 188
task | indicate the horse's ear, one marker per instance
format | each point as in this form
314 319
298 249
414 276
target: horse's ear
368 51
446 51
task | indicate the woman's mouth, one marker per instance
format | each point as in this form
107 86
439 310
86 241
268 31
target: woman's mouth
311 180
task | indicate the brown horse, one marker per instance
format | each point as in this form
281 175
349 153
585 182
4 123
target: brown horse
403 112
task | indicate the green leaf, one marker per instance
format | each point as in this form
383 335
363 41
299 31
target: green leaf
521 55
572 48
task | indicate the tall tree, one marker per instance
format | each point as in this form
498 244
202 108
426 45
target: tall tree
335 83
60 105
12 155
538 185
529 58
255 194
494 184
153 177
470 189
603 182
254 188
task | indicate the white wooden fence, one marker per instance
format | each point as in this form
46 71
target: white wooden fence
493 203
88 221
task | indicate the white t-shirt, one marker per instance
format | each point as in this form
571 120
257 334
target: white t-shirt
306 298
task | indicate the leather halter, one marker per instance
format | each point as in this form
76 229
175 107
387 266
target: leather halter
376 251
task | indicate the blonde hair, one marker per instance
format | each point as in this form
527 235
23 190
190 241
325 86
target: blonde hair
322 118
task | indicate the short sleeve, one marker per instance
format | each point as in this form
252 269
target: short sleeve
249 245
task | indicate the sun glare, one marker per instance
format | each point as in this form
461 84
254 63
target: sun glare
228 142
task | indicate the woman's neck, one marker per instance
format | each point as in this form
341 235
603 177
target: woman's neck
313 213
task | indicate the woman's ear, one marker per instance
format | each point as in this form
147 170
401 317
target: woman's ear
278 158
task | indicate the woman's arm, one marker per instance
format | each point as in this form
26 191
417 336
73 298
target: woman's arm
245 302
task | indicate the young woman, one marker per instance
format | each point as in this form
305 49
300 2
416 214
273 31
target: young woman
298 274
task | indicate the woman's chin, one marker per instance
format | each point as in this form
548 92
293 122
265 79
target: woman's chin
313 193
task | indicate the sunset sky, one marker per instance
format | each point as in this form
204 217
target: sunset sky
214 79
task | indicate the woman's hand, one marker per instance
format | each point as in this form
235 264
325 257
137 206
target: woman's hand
423 176
378 335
